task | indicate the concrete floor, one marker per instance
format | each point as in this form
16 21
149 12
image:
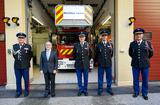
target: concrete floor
126 99
64 77
68 96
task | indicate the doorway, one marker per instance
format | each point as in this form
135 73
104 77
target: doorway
103 18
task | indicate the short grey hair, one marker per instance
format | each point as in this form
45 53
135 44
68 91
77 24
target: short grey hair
48 42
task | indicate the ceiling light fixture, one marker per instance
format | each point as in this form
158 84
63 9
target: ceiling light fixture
37 20
106 20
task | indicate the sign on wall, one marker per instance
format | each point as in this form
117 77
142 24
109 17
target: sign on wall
147 36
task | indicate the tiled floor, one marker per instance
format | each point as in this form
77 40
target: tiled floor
63 77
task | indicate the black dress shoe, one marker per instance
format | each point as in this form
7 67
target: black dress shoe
53 95
135 95
86 93
17 95
145 97
99 93
26 94
79 94
110 92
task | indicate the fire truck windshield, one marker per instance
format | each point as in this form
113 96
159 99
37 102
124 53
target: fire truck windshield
68 39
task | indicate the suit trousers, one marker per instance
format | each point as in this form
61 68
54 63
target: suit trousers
49 82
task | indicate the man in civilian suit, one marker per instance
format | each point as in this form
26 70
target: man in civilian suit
48 66
140 51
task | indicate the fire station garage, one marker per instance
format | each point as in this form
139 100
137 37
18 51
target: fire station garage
42 21
63 33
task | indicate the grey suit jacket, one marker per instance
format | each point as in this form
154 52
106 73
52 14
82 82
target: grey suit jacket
48 65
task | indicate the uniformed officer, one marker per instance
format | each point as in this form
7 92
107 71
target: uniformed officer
104 53
22 54
82 55
140 51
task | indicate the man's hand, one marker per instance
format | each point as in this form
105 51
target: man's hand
41 71
54 71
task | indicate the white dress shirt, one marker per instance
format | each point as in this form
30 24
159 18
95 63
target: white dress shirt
104 43
48 52
139 42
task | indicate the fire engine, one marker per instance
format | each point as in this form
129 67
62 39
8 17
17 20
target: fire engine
70 20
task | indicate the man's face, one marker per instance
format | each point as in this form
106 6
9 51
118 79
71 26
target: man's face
82 38
104 37
21 40
138 36
48 46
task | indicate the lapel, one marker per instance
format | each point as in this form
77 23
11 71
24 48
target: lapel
19 46
142 43
45 55
102 45
135 43
79 44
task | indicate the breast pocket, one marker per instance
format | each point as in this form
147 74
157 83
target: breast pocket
26 50
86 49
100 49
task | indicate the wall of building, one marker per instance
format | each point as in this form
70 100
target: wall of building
14 9
2 47
147 14
123 37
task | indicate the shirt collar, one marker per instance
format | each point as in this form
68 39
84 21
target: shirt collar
104 42
139 41
82 42
21 44
48 50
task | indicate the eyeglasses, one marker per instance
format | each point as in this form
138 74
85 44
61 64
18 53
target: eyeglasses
21 37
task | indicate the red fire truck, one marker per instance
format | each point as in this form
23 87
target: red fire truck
70 20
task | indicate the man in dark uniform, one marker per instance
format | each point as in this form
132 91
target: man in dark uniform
82 56
22 54
49 66
104 53
140 51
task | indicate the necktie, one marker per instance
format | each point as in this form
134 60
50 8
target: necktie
139 42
